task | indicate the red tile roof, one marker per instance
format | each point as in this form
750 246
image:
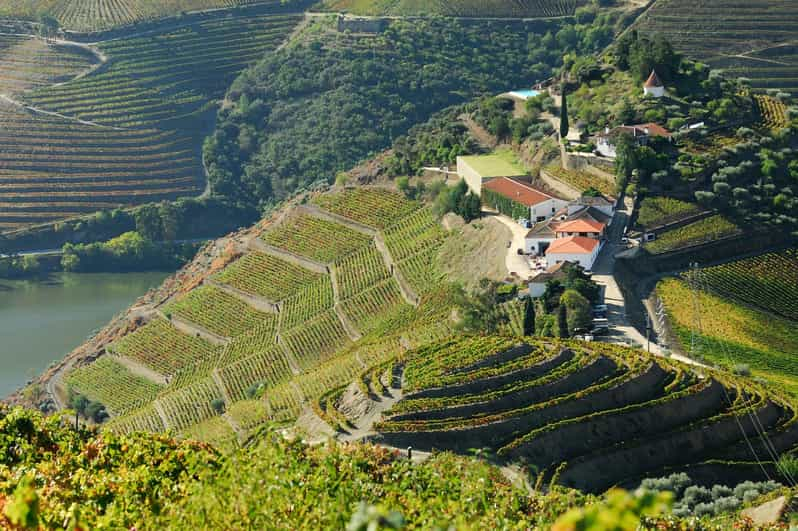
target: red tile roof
648 129
572 245
518 192
653 81
581 225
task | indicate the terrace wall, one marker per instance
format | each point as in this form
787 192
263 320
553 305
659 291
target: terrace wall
580 438
495 382
600 471
580 378
496 434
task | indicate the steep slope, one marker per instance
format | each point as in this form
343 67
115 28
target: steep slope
586 415
99 15
127 132
752 39
300 306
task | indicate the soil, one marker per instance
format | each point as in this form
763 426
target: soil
478 251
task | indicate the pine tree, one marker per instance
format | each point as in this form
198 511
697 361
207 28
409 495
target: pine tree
564 127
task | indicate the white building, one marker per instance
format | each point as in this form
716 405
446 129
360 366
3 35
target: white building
574 220
541 205
653 86
640 133
577 249
476 170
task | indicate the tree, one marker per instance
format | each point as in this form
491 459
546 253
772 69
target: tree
478 309
577 310
529 317
48 27
562 321
564 127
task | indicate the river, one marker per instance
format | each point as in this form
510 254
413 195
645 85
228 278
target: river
43 320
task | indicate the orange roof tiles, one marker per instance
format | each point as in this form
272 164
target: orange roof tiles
581 225
518 192
572 245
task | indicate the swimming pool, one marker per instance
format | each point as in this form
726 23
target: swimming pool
524 94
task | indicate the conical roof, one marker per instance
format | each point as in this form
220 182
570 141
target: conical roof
653 80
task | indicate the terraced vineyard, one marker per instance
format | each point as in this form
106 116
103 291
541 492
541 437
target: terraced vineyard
458 8
267 276
212 308
131 131
52 168
656 211
277 363
587 416
772 112
749 39
29 62
732 335
161 347
112 384
315 238
767 282
375 208
581 180
705 230
97 15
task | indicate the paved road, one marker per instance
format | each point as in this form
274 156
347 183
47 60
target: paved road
622 329
516 263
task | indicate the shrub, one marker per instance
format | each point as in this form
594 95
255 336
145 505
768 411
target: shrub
218 405
788 466
742 369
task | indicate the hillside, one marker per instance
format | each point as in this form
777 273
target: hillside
82 479
585 415
755 39
748 319
292 308
333 99
128 130
99 15
458 8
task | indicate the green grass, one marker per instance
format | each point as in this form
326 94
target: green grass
703 231
655 211
495 165
732 334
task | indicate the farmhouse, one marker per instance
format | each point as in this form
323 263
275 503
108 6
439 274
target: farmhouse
519 200
653 86
537 285
641 133
476 170
577 249
575 220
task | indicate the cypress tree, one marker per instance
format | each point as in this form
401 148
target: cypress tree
562 320
564 116
529 317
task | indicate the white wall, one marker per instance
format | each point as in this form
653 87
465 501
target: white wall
605 147
532 245
546 209
470 175
585 260
656 92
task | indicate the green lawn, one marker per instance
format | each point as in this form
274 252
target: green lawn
496 165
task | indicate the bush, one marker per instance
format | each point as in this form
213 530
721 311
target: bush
742 369
218 405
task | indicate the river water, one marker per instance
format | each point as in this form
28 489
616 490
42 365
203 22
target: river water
43 320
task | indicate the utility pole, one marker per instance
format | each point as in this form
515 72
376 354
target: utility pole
648 332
